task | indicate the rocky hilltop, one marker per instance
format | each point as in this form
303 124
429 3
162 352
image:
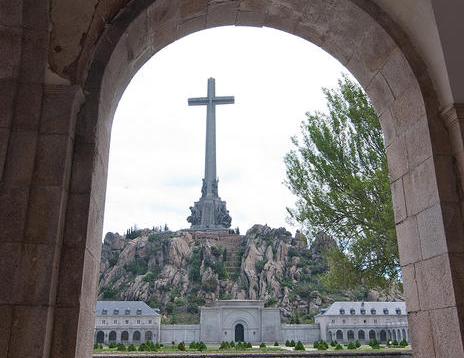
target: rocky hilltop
180 271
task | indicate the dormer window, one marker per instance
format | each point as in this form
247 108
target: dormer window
373 311
398 311
104 312
385 311
116 312
342 311
352 311
127 312
363 311
139 312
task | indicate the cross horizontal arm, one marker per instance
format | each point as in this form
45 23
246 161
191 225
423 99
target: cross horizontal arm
201 101
224 100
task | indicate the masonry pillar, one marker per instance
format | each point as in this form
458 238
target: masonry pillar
428 212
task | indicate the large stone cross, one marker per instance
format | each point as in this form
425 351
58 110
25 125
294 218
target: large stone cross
210 212
210 155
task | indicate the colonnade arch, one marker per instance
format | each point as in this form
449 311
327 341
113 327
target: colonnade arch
67 177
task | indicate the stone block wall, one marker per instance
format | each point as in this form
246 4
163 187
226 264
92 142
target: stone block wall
306 333
177 333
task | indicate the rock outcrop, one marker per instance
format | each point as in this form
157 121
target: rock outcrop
180 271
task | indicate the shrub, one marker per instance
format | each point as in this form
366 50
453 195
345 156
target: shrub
338 347
292 343
321 345
248 345
193 345
112 345
351 345
395 342
96 346
374 344
224 345
333 344
287 343
276 344
173 343
131 348
121 347
181 346
262 345
403 343
232 344
259 265
201 347
143 347
357 344
299 346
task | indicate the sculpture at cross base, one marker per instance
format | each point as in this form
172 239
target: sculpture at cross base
210 212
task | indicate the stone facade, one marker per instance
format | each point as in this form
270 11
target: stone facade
364 321
249 321
126 322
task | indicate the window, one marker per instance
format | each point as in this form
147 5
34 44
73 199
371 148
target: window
333 321
127 312
138 321
115 321
103 321
352 311
365 321
385 311
375 321
127 321
104 312
149 321
398 311
373 311
139 312
363 311
343 321
342 311
116 312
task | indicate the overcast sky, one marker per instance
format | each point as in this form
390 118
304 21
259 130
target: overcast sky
157 146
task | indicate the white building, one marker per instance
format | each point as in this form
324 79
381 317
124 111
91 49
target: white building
249 321
126 322
364 321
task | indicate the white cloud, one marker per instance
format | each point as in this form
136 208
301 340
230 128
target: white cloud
157 146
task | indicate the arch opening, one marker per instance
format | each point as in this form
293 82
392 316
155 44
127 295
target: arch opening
396 96
239 333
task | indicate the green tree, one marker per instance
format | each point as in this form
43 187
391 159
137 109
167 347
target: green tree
338 172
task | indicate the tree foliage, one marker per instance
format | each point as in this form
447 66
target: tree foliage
338 172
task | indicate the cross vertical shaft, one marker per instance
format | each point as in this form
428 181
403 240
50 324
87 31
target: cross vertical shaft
210 153
210 148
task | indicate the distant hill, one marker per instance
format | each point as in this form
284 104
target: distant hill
180 271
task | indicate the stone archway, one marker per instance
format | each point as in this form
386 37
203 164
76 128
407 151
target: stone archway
62 207
100 337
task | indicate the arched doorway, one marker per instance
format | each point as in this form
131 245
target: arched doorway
239 333
372 335
339 335
350 335
136 336
124 336
148 336
100 337
361 335
383 336
112 337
